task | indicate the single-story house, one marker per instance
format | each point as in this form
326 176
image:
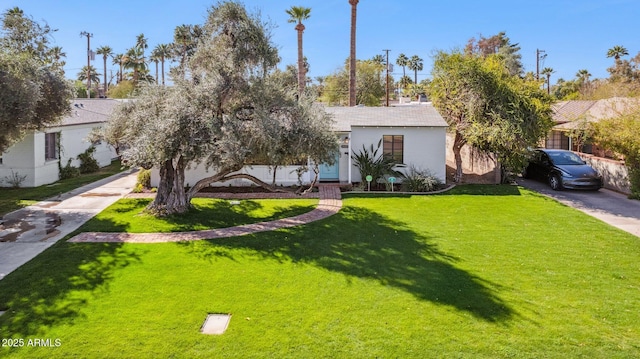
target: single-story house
413 134
37 155
571 116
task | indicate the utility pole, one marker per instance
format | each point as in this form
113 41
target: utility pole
538 58
387 78
88 35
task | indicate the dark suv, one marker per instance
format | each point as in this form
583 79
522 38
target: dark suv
562 169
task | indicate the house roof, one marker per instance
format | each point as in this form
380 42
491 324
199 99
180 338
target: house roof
567 113
424 115
85 111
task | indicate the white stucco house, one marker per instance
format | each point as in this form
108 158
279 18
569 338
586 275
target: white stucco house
36 156
414 134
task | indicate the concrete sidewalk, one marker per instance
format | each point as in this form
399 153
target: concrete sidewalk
29 231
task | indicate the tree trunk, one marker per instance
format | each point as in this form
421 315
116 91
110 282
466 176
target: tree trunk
301 69
171 197
352 56
458 142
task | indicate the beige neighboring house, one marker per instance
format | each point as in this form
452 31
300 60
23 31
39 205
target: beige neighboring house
572 116
36 156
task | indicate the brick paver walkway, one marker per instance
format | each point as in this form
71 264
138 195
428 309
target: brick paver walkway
329 204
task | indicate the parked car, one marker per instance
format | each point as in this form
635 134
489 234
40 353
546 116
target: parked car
562 169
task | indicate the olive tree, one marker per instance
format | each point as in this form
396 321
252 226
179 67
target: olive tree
33 91
224 111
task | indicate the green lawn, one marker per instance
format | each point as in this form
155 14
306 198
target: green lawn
481 272
16 198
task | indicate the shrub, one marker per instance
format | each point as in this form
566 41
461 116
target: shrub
68 171
144 178
15 179
88 163
138 188
417 180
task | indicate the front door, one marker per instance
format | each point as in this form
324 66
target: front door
330 172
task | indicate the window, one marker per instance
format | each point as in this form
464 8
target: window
393 147
51 146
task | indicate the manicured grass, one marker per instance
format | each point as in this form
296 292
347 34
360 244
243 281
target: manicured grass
127 215
16 198
462 275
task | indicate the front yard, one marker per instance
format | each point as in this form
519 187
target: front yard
480 272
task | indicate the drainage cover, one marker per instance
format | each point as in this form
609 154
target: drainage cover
215 324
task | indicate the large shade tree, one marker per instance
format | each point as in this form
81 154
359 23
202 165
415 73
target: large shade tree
488 108
297 15
224 113
33 91
370 85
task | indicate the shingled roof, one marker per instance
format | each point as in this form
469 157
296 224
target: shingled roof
85 111
398 116
567 113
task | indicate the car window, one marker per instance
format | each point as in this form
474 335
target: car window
565 158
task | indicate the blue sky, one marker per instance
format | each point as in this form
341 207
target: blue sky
574 34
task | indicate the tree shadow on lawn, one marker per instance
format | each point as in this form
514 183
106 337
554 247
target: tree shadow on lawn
55 287
363 244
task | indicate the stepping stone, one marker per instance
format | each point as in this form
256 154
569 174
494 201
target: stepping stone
215 324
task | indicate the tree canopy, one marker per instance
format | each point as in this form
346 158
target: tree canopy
227 110
488 108
33 91
370 85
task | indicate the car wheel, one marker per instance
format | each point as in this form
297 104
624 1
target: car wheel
555 182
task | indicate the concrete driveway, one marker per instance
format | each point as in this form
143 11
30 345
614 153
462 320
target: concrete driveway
27 232
609 206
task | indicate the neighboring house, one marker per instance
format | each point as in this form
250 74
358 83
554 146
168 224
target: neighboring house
37 155
572 117
412 134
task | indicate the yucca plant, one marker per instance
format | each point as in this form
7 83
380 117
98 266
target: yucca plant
371 163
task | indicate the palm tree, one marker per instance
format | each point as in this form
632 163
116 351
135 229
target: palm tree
155 59
105 51
403 61
583 76
54 57
134 60
415 64
299 13
352 54
93 74
617 51
119 60
141 43
547 71
162 52
185 40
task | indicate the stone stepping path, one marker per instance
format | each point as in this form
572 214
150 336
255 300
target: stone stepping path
329 204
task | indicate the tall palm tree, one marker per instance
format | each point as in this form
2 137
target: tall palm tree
105 51
415 64
155 59
134 60
162 52
547 71
403 61
185 41
297 14
141 43
119 60
617 51
352 54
